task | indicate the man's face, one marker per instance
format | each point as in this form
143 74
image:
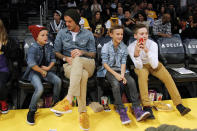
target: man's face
141 33
70 23
150 6
166 18
127 14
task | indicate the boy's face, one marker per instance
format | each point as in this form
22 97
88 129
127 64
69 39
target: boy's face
42 37
117 35
141 33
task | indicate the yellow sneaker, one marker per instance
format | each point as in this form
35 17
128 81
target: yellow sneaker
84 121
62 107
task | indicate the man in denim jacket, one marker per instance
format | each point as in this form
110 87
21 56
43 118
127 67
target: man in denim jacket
40 60
76 46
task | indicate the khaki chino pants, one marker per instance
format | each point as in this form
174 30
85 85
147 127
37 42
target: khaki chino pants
81 69
161 73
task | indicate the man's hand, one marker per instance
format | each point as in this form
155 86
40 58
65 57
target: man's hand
76 52
45 68
69 60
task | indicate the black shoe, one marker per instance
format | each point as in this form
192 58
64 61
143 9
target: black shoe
149 109
30 117
183 110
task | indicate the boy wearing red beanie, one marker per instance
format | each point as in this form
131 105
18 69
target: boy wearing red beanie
40 60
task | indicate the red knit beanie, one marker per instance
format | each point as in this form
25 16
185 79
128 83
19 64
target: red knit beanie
35 30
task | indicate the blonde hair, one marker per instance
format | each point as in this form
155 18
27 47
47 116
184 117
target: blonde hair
3 34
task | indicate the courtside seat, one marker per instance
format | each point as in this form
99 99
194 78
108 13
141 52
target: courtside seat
172 55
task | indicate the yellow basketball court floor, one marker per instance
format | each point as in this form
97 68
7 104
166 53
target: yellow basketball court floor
15 120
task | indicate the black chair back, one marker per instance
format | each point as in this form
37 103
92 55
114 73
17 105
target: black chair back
171 50
190 46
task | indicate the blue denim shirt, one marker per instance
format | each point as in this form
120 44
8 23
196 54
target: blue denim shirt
84 41
35 56
113 58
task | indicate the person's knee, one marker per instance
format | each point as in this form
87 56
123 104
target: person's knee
84 74
76 60
115 85
130 80
141 73
57 80
39 91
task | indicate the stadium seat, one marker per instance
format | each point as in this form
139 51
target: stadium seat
172 55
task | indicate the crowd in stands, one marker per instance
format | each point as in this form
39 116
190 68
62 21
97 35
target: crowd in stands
159 17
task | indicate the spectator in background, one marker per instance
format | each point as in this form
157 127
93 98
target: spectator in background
145 4
189 28
142 19
161 12
151 12
83 21
128 23
71 4
113 21
57 24
120 13
85 9
114 5
106 11
4 70
174 22
97 25
162 27
151 20
95 7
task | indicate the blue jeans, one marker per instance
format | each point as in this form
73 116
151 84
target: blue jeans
36 81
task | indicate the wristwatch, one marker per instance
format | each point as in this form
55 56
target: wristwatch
64 59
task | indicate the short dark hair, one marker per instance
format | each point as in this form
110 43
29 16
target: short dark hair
127 10
139 26
116 27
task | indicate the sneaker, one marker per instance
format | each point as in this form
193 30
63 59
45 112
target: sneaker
84 121
182 109
30 117
106 108
4 107
123 115
62 107
140 114
149 109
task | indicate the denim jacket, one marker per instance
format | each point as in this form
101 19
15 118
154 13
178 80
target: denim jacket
35 56
110 56
84 41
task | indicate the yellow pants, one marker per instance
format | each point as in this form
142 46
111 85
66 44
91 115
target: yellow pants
81 69
161 73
